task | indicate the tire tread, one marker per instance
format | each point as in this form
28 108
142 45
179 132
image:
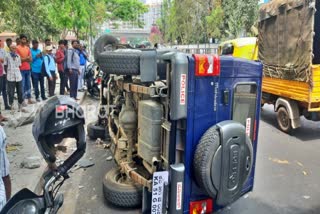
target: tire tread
118 196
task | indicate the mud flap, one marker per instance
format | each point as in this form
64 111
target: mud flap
234 157
176 174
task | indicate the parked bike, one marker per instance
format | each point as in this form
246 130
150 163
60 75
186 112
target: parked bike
59 118
93 77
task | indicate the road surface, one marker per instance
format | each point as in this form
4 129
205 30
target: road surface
287 177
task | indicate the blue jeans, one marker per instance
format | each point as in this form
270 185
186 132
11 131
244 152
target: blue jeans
36 79
26 84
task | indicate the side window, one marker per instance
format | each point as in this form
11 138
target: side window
227 49
244 106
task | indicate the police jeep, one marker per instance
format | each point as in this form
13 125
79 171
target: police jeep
183 128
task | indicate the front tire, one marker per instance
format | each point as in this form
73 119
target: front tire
121 192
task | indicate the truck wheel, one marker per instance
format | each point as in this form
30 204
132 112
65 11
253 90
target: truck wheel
284 120
95 131
105 42
121 192
206 149
120 63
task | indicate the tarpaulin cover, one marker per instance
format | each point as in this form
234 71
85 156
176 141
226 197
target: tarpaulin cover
286 39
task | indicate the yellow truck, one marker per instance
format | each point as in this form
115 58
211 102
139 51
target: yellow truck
288 45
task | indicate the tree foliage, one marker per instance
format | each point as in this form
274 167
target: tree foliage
26 16
42 18
215 22
240 15
194 21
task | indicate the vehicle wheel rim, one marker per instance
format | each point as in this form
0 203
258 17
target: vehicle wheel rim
284 119
122 179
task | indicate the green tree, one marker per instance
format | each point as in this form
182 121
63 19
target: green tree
41 18
186 20
239 16
193 21
32 21
125 10
215 22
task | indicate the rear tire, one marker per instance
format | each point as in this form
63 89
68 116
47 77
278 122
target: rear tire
284 120
95 131
119 193
206 149
104 42
95 92
120 63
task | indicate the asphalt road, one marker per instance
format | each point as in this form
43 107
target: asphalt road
287 179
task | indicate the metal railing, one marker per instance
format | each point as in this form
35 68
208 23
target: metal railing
199 50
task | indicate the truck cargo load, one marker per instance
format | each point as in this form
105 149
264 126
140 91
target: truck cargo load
289 39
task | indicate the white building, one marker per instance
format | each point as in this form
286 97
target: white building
153 14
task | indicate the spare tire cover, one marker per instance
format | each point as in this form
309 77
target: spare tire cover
223 161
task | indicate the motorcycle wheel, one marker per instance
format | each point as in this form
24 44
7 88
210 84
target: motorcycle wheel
95 92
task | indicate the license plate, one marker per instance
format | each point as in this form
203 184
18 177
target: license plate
158 182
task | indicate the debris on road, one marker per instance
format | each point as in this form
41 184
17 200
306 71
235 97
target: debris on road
107 146
14 144
276 160
99 141
304 173
31 162
21 121
306 197
83 163
80 187
300 164
109 158
13 147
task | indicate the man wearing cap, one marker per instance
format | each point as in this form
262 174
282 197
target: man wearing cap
25 54
50 68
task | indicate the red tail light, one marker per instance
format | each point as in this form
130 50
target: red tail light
207 65
201 207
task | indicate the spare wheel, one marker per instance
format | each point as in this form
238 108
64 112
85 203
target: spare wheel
223 161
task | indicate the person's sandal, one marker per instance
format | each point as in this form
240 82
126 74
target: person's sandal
31 102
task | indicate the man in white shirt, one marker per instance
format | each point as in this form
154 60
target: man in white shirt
5 182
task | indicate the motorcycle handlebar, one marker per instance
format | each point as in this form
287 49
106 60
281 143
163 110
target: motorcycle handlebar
67 164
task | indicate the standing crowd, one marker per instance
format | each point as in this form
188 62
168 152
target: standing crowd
23 68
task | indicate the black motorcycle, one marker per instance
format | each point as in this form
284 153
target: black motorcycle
93 77
60 117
